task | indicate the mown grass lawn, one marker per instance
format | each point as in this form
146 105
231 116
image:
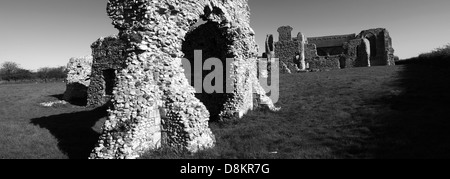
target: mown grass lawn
377 112
28 130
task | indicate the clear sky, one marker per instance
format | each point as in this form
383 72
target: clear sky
46 33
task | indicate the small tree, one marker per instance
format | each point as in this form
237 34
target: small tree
47 73
23 74
42 73
58 73
8 70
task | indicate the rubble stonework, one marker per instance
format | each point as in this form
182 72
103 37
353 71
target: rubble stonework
108 57
344 51
78 78
153 102
286 49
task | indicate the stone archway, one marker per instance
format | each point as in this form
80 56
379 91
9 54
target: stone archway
210 41
154 105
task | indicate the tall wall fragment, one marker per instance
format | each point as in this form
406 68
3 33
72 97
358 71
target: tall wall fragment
108 57
78 78
153 102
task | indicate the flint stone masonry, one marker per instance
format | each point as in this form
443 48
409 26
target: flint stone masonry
153 104
78 78
349 50
108 57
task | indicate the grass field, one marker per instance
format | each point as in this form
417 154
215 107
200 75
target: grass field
378 112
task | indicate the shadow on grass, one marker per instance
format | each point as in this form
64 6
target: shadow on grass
74 132
76 102
417 124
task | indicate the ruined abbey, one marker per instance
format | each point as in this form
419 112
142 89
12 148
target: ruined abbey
371 47
140 74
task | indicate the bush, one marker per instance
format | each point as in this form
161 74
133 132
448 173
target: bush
10 71
52 73
439 53
437 57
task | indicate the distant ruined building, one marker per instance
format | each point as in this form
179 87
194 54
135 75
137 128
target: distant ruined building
371 47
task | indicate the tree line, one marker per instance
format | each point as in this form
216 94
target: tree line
441 53
11 71
438 57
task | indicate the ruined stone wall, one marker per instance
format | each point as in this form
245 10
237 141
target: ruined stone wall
390 49
153 77
357 53
310 51
324 63
78 78
285 51
348 46
319 63
108 54
331 41
352 52
382 52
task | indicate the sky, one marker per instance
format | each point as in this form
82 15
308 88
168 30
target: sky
47 33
